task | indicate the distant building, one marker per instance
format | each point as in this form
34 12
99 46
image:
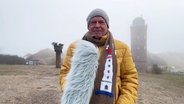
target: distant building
32 62
139 43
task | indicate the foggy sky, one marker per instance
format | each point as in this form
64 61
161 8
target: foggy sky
27 26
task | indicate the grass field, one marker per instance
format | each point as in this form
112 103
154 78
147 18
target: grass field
26 84
12 70
173 80
161 89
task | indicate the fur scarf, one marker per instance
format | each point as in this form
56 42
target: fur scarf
80 79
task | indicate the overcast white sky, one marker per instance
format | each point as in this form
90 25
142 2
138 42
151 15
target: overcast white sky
27 26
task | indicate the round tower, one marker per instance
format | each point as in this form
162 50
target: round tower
139 43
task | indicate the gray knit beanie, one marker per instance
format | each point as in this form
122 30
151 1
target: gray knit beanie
98 12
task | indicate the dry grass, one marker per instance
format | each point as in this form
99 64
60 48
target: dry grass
174 80
22 84
161 89
11 70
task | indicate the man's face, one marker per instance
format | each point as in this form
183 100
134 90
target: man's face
98 27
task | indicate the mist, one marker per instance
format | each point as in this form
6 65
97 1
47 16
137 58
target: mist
27 26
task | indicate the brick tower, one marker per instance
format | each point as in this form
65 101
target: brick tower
139 43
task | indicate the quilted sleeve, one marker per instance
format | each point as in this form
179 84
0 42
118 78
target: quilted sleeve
65 66
129 79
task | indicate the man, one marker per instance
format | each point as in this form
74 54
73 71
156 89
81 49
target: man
116 79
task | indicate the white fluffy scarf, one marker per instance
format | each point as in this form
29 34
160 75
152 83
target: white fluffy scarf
80 79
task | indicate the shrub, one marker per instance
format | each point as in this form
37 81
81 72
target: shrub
156 70
11 59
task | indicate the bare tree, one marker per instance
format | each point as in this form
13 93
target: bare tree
58 49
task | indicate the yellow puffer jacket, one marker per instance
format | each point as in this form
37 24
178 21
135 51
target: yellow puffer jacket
127 77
